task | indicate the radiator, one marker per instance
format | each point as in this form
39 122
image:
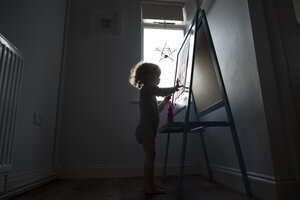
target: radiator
11 68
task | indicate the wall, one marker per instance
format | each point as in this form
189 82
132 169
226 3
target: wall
36 28
99 115
290 31
231 30
275 31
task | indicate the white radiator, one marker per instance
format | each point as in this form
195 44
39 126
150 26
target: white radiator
11 67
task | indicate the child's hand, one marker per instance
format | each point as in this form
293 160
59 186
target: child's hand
177 85
167 98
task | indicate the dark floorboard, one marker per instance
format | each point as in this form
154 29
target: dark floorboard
195 187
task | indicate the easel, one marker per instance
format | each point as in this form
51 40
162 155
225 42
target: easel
200 126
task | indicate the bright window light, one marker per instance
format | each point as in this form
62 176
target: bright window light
160 47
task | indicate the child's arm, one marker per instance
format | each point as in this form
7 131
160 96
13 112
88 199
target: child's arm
164 102
165 91
157 91
168 97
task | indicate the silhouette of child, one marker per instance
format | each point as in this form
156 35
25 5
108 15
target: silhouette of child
145 77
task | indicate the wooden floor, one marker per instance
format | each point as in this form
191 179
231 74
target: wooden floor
195 187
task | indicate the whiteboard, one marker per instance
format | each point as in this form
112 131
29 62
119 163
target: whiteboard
183 71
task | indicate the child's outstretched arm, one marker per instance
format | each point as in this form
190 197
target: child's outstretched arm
157 91
166 92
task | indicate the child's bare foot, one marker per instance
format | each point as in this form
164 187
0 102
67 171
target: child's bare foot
154 190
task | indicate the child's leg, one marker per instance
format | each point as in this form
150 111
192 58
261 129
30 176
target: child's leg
149 149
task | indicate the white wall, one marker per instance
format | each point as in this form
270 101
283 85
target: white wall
36 28
97 137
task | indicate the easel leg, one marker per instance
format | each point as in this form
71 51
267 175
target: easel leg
241 161
206 156
166 159
183 150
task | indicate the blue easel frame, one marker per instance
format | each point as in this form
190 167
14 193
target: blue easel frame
200 126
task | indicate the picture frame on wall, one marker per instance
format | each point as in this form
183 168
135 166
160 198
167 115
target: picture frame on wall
106 23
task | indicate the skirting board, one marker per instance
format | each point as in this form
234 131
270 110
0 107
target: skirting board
20 183
111 171
263 186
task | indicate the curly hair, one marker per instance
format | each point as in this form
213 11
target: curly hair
141 72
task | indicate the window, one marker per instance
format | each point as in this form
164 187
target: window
160 47
163 32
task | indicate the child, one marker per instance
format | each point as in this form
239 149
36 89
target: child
145 76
